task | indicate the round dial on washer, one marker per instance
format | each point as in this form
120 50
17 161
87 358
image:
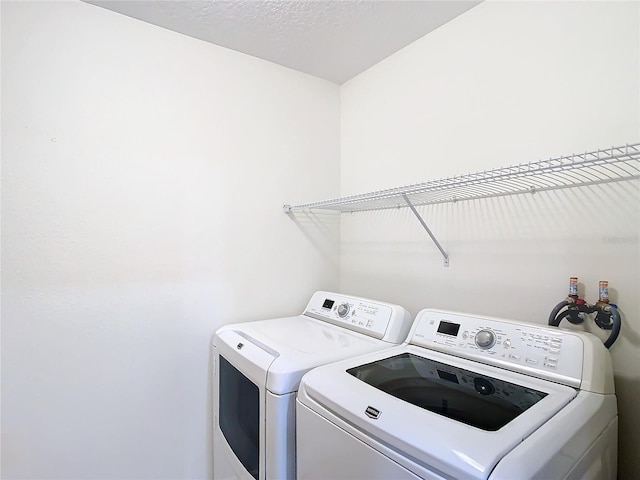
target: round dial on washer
485 338
343 309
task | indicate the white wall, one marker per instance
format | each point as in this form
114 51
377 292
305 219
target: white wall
143 175
507 82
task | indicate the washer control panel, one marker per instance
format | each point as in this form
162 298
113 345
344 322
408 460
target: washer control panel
376 319
515 345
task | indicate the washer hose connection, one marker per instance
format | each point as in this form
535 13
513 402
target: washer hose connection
575 310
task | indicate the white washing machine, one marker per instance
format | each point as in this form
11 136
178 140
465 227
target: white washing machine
258 366
466 397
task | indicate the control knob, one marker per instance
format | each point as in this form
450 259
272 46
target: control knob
485 338
343 310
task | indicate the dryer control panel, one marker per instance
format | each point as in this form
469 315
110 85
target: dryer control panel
380 320
538 350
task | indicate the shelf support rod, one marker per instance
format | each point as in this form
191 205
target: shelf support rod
424 225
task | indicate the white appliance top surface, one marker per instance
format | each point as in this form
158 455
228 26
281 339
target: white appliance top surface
299 344
302 336
448 447
322 335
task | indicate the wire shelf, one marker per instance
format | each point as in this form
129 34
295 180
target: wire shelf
590 168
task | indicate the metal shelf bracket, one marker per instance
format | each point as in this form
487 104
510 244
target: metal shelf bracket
424 225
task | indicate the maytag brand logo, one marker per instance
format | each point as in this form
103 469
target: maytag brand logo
372 412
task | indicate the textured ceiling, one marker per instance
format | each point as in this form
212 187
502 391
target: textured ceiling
331 39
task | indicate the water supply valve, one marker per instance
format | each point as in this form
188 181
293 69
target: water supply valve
576 309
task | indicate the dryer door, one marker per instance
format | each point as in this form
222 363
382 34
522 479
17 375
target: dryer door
240 369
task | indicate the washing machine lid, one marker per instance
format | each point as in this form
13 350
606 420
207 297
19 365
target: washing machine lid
451 416
298 344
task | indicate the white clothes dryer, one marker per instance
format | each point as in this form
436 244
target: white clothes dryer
466 397
257 367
